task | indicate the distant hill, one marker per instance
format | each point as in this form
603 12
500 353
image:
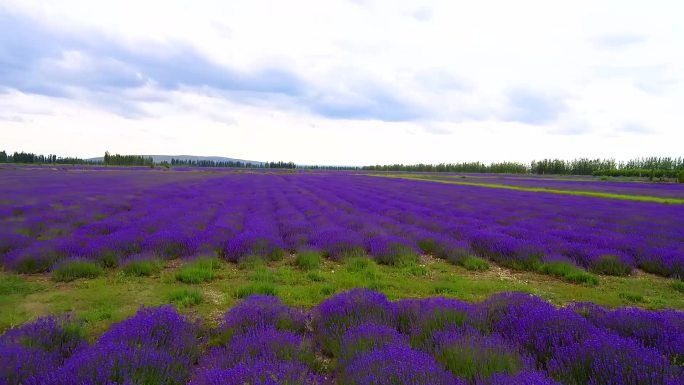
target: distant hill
167 158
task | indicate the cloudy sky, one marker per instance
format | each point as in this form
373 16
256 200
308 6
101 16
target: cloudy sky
344 81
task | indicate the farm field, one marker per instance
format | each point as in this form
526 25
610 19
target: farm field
640 188
662 192
274 259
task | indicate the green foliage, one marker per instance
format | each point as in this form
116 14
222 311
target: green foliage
30 264
358 264
610 265
97 314
474 263
444 289
416 271
261 273
199 271
503 167
568 272
71 270
398 255
328 290
464 360
113 297
14 284
439 319
251 262
315 276
186 297
427 245
357 252
127 160
632 297
308 260
256 288
678 285
141 268
108 260
680 177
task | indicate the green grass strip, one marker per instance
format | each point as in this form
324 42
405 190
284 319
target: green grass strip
596 194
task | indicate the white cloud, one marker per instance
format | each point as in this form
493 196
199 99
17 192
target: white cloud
343 82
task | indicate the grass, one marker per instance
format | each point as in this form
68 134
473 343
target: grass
596 194
474 263
251 262
398 255
198 271
14 284
113 296
315 276
72 270
141 268
256 288
632 297
186 297
568 272
678 285
610 265
308 260
465 360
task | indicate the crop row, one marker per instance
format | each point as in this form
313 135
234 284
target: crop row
359 337
113 216
663 190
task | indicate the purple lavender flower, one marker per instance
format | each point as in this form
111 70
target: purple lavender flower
422 318
259 373
541 329
334 316
368 337
261 312
59 336
468 354
392 251
21 365
11 241
160 328
611 360
259 345
396 364
120 363
522 378
253 243
36 348
663 330
337 243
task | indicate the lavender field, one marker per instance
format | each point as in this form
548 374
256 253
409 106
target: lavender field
72 239
359 337
110 216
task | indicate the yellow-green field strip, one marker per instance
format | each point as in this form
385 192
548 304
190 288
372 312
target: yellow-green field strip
596 194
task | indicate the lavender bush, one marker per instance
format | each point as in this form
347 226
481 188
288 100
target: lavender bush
510 338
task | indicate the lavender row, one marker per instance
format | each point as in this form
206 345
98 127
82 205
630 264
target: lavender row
113 216
359 337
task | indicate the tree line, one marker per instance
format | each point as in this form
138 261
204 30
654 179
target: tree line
474 167
27 157
210 163
127 160
229 163
651 167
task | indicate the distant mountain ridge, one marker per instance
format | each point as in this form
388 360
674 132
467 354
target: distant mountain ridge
167 158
